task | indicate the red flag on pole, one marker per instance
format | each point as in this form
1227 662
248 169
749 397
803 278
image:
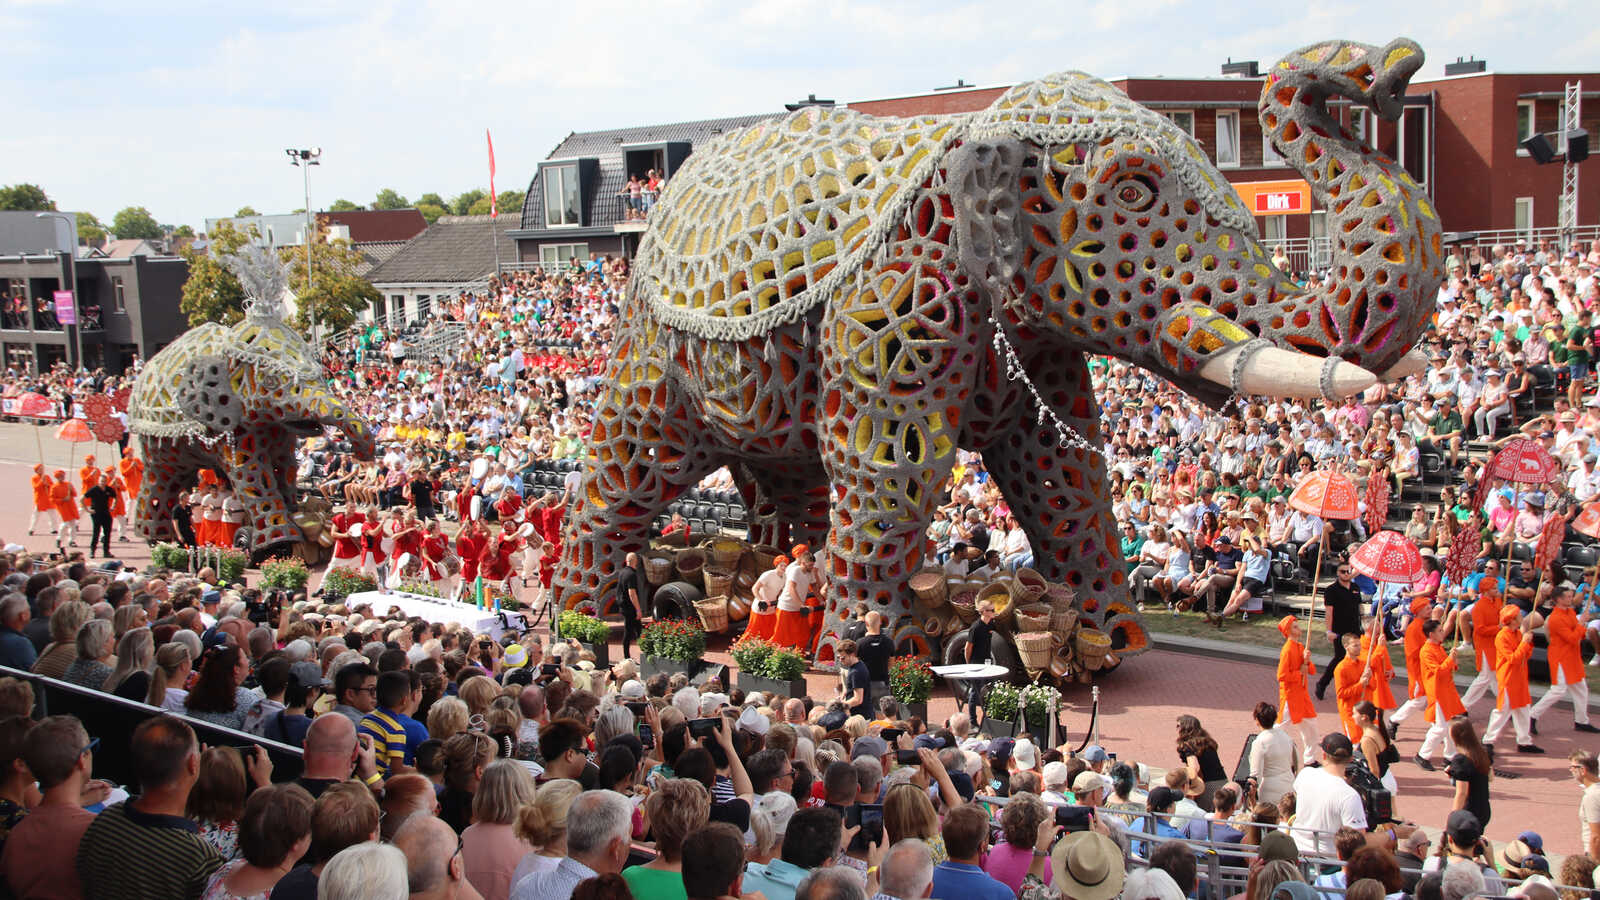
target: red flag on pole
494 208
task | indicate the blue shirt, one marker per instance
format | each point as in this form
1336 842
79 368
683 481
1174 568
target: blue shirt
965 882
1256 565
1163 830
16 650
777 879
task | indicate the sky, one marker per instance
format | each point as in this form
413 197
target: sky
187 109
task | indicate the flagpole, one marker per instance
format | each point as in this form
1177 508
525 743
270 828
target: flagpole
494 208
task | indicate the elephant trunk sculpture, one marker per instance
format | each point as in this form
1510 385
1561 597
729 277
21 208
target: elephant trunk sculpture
832 304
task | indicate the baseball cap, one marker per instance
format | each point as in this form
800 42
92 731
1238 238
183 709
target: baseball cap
1337 747
1055 775
1533 840
754 722
308 673
779 807
1094 753
1276 845
1026 754
210 597
869 745
1161 797
632 689
928 742
1000 748
1462 827
1085 782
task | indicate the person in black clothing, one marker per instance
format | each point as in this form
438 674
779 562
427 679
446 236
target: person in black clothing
1344 617
99 500
630 601
977 651
875 649
1469 771
183 520
1197 751
855 684
421 488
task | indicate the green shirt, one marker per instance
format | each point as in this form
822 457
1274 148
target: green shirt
1445 424
1578 335
1130 550
654 883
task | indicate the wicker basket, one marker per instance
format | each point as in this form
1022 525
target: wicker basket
933 626
719 581
965 603
691 564
1093 646
1035 650
931 588
1032 620
725 552
1028 586
998 592
713 613
1063 619
765 555
658 569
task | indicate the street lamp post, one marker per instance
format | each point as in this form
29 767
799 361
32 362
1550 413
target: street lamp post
74 352
305 159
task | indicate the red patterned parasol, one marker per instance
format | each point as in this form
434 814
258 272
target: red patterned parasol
96 408
1377 498
1588 520
1555 528
35 405
1328 495
1524 461
1388 556
1464 549
108 431
120 399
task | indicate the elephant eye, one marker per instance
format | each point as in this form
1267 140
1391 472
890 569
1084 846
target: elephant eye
1136 193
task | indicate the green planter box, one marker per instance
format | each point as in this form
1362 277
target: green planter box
791 689
997 728
919 710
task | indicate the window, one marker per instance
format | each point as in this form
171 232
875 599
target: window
1524 216
561 201
1274 229
1525 121
1269 153
1228 137
1364 126
119 302
560 254
1414 142
1184 119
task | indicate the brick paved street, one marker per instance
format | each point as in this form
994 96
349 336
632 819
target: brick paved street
1138 702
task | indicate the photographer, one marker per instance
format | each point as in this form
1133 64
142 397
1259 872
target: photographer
1463 842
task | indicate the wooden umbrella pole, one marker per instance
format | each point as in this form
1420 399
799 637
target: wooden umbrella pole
1316 575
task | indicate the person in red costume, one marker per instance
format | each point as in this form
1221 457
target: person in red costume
373 553
407 539
509 505
435 551
494 563
346 546
469 546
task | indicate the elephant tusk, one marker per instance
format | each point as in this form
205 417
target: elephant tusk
1413 362
1258 367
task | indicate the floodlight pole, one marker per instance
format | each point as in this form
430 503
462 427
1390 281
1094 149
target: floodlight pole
305 159
1567 207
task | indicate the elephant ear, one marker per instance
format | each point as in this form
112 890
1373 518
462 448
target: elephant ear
207 395
983 186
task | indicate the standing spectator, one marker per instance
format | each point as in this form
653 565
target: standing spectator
1470 771
146 846
855 683
434 867
367 871
1324 802
1197 750
355 691
344 816
97 500
630 601
713 864
966 836
599 826
394 733
274 832
812 840
217 800
41 850
219 695
490 849
16 650
676 810
1586 769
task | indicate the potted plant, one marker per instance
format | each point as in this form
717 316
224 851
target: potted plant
766 667
421 589
230 565
170 556
284 575
1000 704
672 645
1038 701
750 654
593 633
341 582
910 683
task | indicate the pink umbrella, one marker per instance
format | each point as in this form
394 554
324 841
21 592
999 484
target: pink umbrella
1524 461
75 431
35 406
1328 494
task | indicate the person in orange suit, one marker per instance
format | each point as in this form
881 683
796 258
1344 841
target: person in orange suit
1296 711
42 502
132 472
89 475
1350 680
1378 661
119 503
1565 630
1444 703
1416 695
764 609
1513 646
1485 630
65 498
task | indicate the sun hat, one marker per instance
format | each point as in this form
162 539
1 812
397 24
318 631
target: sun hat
516 656
1277 845
1054 776
1087 865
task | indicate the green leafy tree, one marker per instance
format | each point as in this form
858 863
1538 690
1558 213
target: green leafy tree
135 222
431 199
431 211
511 202
29 197
246 211
479 207
183 231
337 293
343 205
213 293
462 205
389 198
90 230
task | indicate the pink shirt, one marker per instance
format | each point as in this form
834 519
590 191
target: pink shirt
1009 864
490 854
41 852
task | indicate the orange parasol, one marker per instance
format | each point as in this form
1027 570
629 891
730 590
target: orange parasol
35 406
1328 494
75 431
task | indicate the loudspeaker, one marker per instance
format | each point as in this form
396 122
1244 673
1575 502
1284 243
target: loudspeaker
1577 146
1539 148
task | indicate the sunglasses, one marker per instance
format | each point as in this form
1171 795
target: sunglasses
91 747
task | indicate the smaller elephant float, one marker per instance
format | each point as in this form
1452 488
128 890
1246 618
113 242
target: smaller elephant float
237 400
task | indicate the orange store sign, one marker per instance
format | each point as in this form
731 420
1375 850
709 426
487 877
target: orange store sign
1275 198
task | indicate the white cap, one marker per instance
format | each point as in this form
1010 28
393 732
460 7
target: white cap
753 722
1025 754
710 703
779 807
632 689
1055 775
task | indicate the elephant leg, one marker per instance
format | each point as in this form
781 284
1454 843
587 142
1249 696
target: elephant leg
159 489
900 361
641 458
1058 493
788 506
248 465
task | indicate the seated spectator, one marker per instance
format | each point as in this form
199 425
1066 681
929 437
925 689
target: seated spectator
1159 804
62 650
344 816
130 679
367 871
600 823
16 650
146 846
966 836
95 644
490 848
41 850
542 824
219 695
172 669
676 809
712 863
274 832
812 840
1177 860
434 868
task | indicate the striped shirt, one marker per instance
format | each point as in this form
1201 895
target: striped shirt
129 854
395 737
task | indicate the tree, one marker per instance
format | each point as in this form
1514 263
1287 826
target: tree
90 229
27 197
135 222
431 211
246 211
432 199
337 293
511 202
389 198
479 207
213 293
183 231
343 205
462 205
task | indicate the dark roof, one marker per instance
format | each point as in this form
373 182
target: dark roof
375 252
607 148
453 250
377 224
